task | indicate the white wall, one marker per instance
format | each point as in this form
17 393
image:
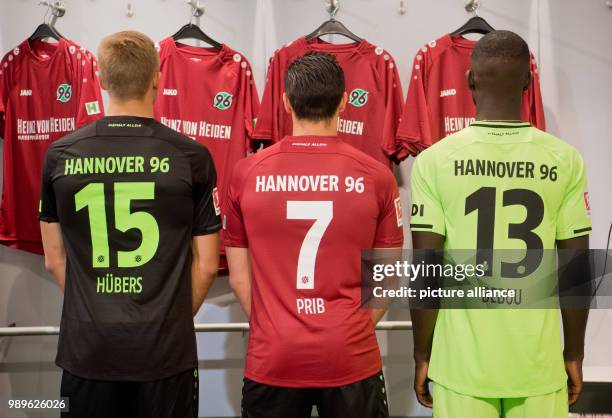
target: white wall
572 40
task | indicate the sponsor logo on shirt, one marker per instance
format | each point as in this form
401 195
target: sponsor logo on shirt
587 203
64 92
41 129
25 92
358 97
92 108
202 128
351 127
448 92
215 196
170 92
223 100
455 124
398 212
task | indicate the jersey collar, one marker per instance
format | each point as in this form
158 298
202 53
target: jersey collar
125 126
310 143
499 132
501 124
53 49
184 51
318 44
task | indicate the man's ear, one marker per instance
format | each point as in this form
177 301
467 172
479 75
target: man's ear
287 104
343 103
156 80
102 86
527 81
470 80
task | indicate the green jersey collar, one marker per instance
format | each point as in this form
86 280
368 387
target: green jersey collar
501 124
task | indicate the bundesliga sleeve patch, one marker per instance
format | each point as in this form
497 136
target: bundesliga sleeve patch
587 203
398 212
215 196
92 108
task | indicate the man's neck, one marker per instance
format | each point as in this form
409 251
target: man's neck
496 110
322 128
139 108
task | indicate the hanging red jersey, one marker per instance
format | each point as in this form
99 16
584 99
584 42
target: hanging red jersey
439 102
375 101
305 208
209 95
47 90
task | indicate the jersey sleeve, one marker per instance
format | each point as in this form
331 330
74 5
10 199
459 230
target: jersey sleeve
390 227
91 107
205 195
393 112
427 211
234 233
267 127
415 132
4 96
574 219
251 106
48 206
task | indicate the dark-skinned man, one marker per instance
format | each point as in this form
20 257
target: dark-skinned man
504 362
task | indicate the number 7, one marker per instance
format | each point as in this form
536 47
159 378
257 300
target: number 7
322 212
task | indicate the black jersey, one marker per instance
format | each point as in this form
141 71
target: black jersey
129 194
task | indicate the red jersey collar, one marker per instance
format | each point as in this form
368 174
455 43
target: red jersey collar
178 47
309 143
318 44
53 50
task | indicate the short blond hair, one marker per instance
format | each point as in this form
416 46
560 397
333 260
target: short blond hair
128 62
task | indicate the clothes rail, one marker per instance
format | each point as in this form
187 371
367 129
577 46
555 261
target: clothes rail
212 327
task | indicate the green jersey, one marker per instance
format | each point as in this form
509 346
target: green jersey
500 185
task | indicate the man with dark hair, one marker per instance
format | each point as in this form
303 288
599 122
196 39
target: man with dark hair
299 214
130 230
314 87
492 363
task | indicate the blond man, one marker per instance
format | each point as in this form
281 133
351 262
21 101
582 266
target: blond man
130 232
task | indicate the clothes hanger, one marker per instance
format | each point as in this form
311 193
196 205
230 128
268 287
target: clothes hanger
191 31
476 24
45 31
333 27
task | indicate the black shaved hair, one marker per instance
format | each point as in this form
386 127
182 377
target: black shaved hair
502 44
500 73
314 85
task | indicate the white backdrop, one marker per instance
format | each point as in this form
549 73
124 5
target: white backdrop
571 40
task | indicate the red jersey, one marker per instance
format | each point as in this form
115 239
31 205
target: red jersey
305 208
210 96
47 90
439 101
375 101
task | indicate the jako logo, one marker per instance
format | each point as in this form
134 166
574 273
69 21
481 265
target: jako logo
449 92
25 92
170 92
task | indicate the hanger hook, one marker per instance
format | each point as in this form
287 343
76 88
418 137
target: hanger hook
55 9
332 8
472 6
197 10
